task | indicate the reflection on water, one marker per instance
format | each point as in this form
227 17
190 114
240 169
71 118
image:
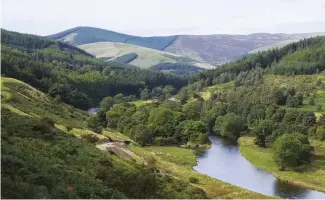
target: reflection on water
224 162
93 110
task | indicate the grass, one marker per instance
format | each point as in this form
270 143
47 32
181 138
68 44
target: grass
138 103
206 93
23 99
173 165
181 156
313 176
146 57
114 135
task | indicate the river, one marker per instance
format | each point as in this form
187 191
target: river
224 161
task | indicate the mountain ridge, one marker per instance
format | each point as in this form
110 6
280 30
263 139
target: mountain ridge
213 48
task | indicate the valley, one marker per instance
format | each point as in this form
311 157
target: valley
252 128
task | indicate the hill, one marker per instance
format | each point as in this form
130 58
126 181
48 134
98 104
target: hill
47 152
214 49
139 56
40 147
73 75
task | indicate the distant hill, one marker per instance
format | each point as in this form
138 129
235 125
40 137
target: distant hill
215 49
139 56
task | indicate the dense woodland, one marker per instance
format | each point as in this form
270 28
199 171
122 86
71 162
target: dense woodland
72 75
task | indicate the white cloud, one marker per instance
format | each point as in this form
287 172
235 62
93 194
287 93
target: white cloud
165 17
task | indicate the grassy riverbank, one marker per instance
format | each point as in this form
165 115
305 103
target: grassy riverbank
310 176
179 163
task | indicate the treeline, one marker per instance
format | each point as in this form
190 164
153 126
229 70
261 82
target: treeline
177 68
304 57
155 123
72 75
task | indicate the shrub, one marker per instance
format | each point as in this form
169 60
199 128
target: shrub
47 120
193 180
90 138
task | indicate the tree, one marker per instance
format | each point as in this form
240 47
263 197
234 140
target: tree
141 134
145 94
94 124
230 125
192 110
291 149
263 129
164 121
309 119
311 101
107 103
194 131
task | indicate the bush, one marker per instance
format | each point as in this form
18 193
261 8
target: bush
90 138
193 180
47 121
69 128
319 108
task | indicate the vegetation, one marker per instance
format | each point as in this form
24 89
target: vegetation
43 159
84 35
70 74
306 175
291 150
144 58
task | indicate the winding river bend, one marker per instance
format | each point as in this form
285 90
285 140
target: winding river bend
224 161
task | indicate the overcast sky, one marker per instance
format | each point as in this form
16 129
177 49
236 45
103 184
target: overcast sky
165 17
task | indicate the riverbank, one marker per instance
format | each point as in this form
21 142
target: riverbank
312 176
179 163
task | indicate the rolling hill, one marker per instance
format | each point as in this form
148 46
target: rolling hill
139 56
215 49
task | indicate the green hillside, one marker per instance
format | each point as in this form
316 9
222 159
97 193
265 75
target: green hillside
43 158
71 74
138 56
274 103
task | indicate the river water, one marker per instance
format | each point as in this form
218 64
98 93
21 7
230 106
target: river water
224 161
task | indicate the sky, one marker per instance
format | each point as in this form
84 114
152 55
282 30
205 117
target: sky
165 17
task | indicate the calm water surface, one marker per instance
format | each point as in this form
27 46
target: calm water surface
223 161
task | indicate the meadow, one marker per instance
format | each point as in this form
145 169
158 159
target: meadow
310 176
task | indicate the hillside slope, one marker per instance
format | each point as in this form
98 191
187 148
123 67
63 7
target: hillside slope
71 74
138 56
215 49
47 152
41 157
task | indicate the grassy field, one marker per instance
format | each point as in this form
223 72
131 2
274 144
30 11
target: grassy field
146 57
313 176
181 156
26 100
179 162
140 102
206 93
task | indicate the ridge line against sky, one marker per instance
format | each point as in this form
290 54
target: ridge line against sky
165 17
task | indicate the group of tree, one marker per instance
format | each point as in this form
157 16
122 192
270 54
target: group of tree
268 111
70 74
156 123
